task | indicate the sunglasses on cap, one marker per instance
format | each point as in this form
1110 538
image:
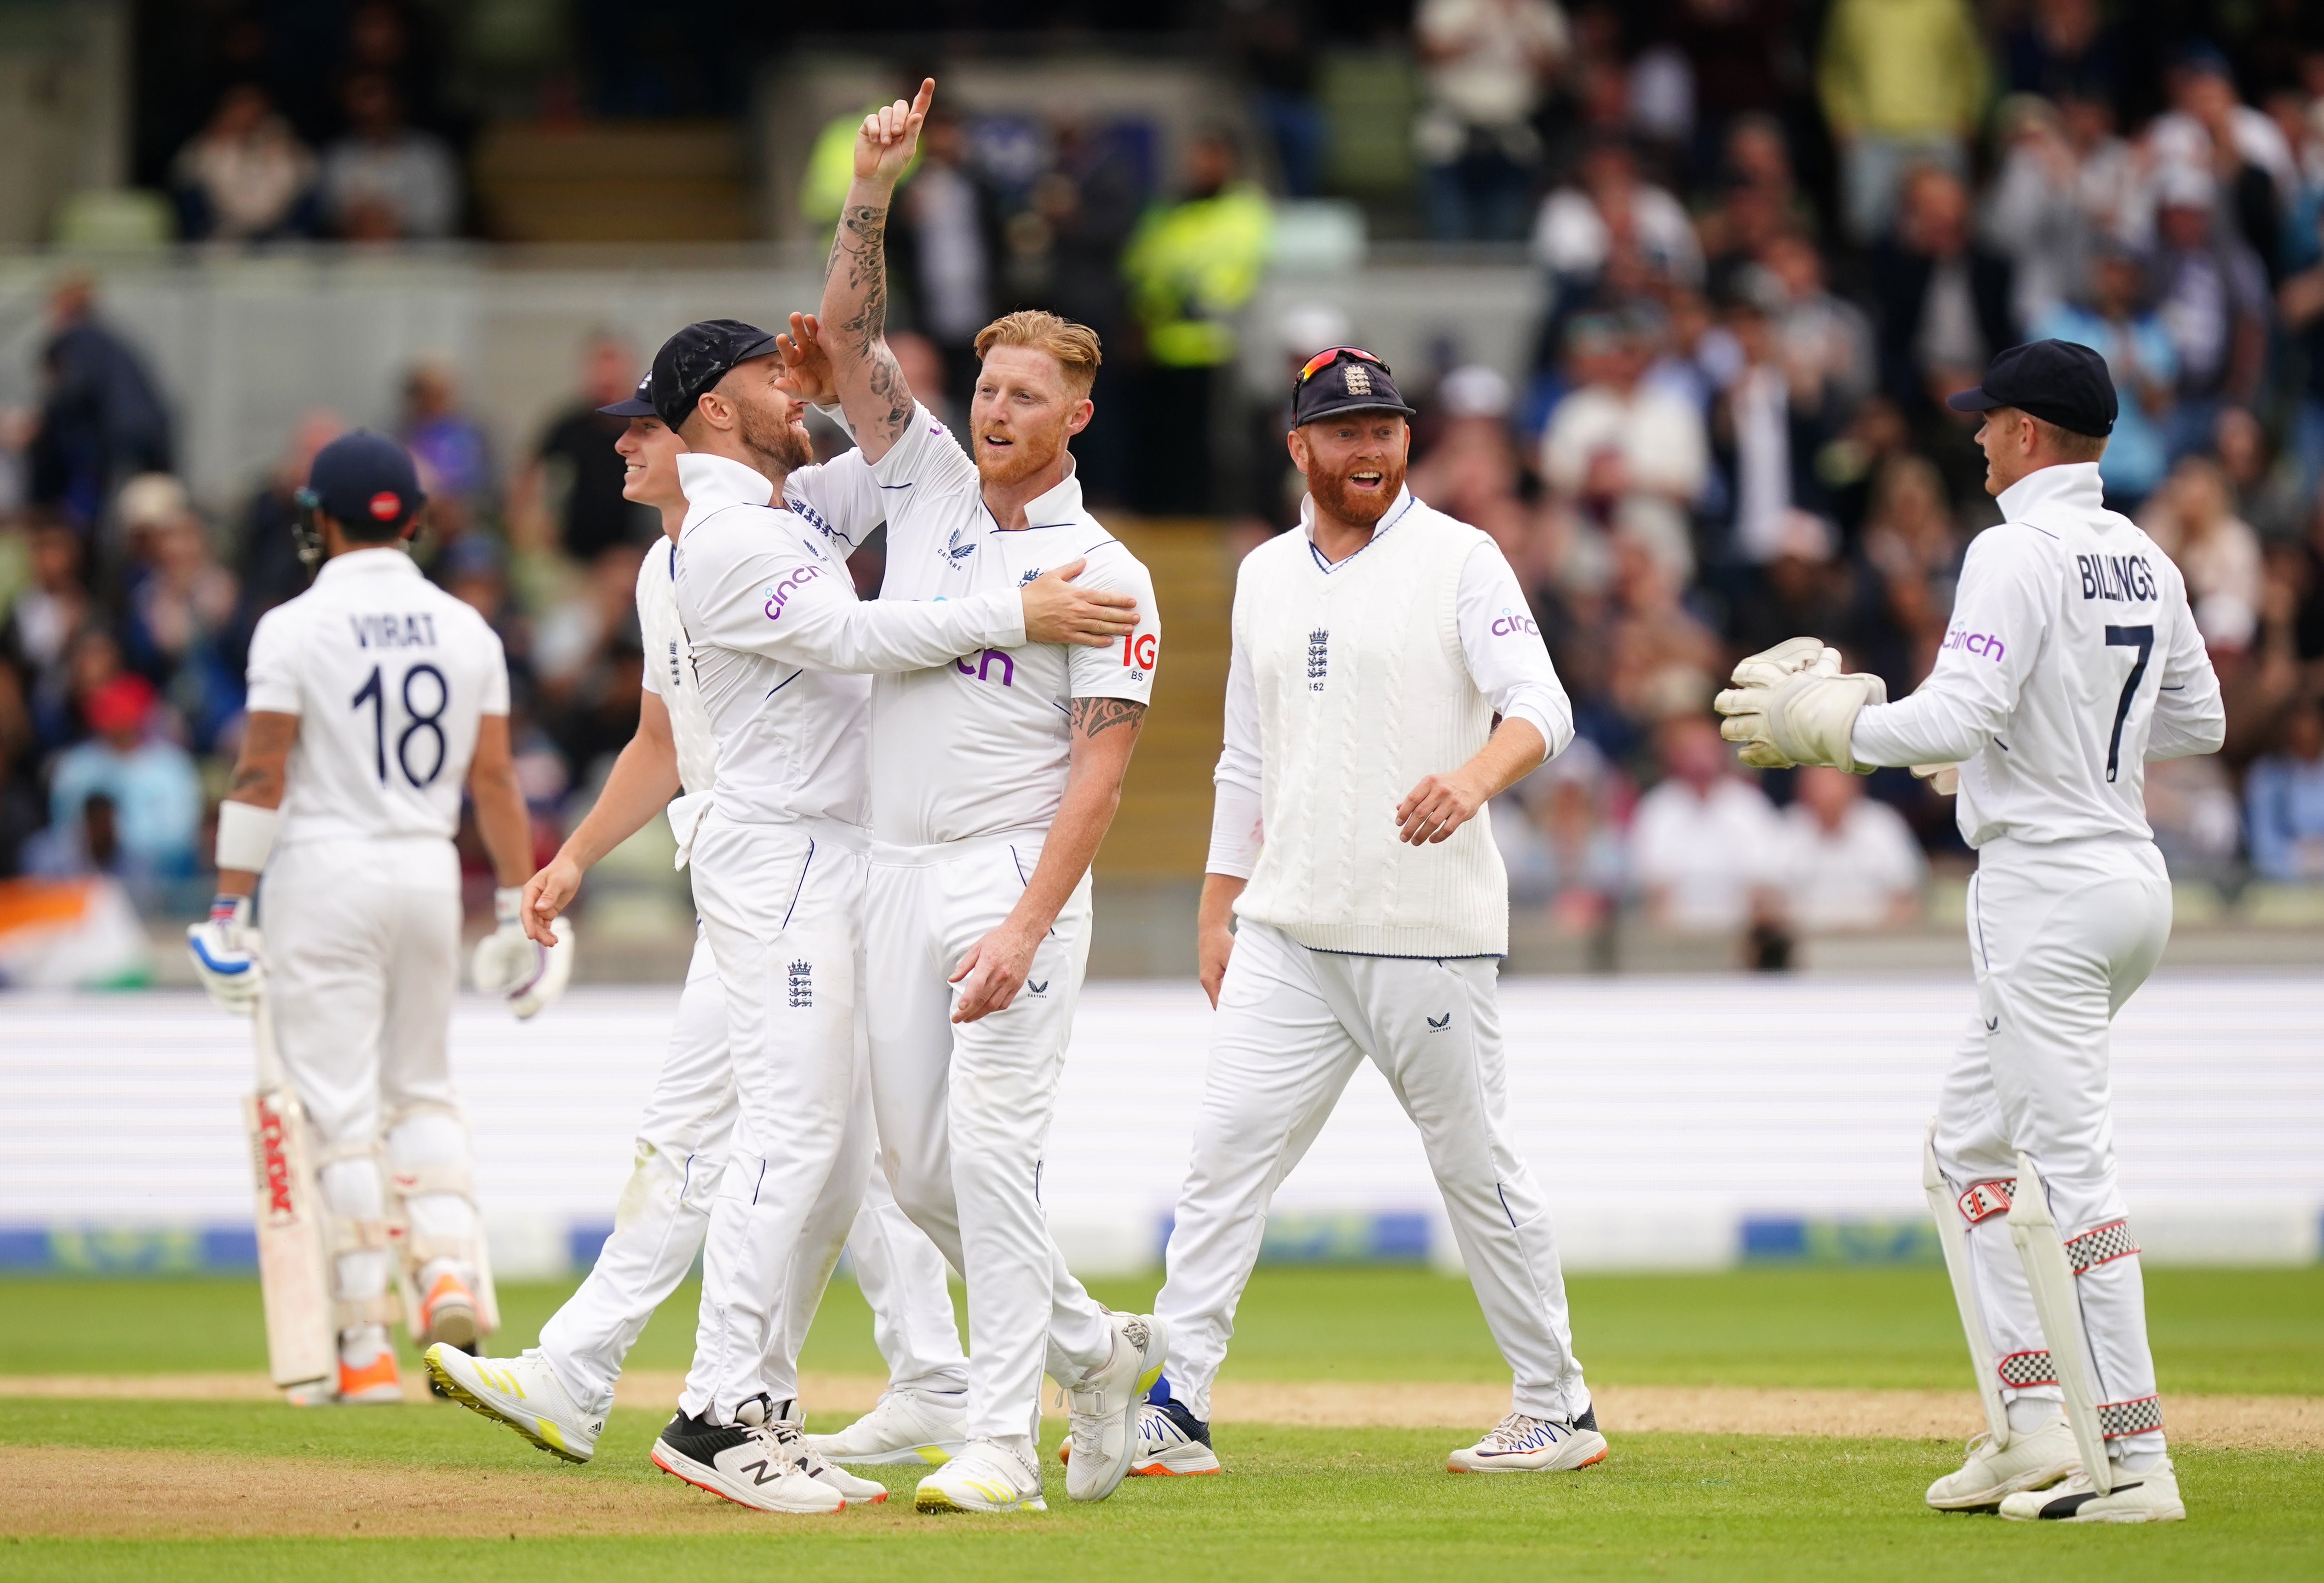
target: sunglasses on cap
1331 355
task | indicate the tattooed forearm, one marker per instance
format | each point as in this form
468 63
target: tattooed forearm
250 777
1092 716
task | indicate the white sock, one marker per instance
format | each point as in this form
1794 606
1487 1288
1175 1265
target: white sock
2138 1453
2028 1413
360 1345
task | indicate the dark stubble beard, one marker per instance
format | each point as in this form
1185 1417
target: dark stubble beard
779 445
1335 499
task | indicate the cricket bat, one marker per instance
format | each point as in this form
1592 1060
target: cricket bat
294 1263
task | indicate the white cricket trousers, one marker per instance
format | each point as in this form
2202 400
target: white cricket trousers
2062 935
1292 1024
963 1110
664 1212
363 957
779 905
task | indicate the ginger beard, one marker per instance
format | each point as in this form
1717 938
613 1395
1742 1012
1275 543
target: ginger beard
1358 489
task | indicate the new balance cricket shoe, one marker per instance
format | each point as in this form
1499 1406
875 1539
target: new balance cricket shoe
1103 1409
1172 1442
783 1421
986 1476
2152 1496
523 1392
1991 1474
906 1427
1523 1444
750 1465
448 1311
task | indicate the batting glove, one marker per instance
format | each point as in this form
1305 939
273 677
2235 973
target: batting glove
512 964
225 949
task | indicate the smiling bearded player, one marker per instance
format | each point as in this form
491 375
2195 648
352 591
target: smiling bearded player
1373 650
995 777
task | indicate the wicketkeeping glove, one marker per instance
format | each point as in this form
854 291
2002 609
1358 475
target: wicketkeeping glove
510 963
1793 706
1944 779
225 949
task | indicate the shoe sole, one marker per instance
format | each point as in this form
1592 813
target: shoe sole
933 1455
1990 1500
683 1477
1155 1467
452 1387
939 1505
1591 1460
454 1324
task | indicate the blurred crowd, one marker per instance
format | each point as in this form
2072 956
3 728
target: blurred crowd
1770 238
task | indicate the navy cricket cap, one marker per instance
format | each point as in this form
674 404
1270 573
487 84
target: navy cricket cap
2057 382
367 481
1344 379
696 358
637 404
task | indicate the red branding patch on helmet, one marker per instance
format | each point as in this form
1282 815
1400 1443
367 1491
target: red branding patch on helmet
385 505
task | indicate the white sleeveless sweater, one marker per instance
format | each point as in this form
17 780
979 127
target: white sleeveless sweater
1362 690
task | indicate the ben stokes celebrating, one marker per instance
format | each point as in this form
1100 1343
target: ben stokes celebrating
2073 660
994 778
1373 650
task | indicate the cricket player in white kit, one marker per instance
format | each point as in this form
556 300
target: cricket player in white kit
558 1395
995 777
374 698
2073 660
774 630
1385 682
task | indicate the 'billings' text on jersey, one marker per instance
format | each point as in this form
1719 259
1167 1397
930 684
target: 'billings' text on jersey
2124 578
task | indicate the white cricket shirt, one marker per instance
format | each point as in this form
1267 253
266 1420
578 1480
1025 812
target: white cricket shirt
2071 660
979 744
388 674
1499 641
670 669
780 641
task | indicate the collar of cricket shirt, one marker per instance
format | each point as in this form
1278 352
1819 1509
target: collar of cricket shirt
714 482
1059 506
1388 519
370 561
2072 486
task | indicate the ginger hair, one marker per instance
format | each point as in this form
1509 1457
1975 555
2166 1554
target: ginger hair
1075 346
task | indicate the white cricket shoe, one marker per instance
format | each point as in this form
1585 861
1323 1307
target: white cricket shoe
987 1477
1522 1444
523 1392
2032 1460
791 1435
907 1426
1172 1442
752 1466
1103 1409
2152 1496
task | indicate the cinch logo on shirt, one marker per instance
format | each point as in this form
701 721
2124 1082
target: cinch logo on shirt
395 632
1983 644
1510 623
984 666
2125 579
779 594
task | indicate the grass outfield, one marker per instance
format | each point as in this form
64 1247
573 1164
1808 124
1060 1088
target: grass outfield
2215 1332
1296 1504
